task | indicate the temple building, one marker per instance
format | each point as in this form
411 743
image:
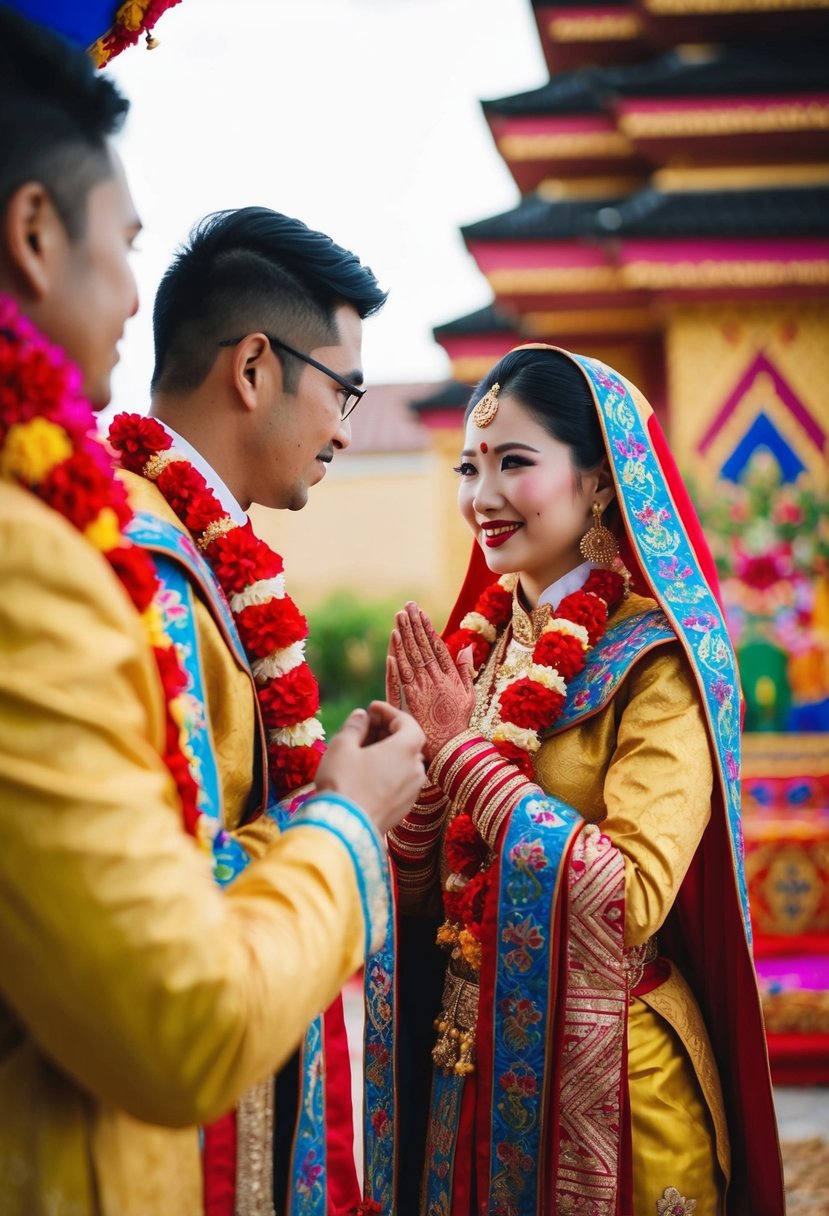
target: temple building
674 222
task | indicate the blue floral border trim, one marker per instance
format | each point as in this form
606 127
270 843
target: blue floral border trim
670 564
348 822
538 836
309 1165
444 1116
609 662
380 1069
161 537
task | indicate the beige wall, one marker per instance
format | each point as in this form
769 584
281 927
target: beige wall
379 526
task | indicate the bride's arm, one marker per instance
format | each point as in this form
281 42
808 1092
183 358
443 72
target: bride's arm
468 770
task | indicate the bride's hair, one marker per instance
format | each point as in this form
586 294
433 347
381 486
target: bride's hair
551 388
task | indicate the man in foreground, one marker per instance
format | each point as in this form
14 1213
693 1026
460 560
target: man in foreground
135 997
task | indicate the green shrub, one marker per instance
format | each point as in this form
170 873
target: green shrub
347 652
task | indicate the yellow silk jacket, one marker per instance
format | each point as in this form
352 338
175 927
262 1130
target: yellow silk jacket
136 999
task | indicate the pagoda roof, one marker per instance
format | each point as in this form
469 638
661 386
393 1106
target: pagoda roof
723 71
452 395
579 4
536 218
800 211
483 321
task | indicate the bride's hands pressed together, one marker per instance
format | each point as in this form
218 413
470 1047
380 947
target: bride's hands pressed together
423 677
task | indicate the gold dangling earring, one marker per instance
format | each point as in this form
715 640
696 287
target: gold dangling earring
599 545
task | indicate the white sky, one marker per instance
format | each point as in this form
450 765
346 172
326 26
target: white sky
361 117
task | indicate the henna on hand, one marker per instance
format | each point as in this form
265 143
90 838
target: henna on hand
439 696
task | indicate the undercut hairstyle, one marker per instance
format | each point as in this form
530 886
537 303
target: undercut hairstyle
56 114
553 390
253 271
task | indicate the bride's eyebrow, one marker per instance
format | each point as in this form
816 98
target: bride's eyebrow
503 447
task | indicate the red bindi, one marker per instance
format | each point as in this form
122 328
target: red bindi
484 448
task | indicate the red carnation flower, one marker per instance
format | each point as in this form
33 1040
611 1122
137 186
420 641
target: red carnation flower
173 679
137 439
518 756
585 610
188 791
561 651
186 491
466 850
607 584
469 637
290 698
292 767
200 511
496 605
452 906
530 705
473 900
40 380
457 640
264 628
136 571
239 559
77 489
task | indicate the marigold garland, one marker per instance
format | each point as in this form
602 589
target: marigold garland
49 446
271 627
524 706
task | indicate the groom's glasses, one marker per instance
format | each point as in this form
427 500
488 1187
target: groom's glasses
352 393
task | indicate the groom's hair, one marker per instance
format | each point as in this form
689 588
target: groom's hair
56 113
250 271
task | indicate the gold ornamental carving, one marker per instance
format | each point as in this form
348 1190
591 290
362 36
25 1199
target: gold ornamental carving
679 8
711 273
604 27
727 120
564 145
538 279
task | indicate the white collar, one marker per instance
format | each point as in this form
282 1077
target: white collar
214 481
573 580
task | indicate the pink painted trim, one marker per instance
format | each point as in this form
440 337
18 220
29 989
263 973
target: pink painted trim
534 255
552 124
744 102
672 251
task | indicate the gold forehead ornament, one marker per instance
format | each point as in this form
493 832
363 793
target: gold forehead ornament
486 409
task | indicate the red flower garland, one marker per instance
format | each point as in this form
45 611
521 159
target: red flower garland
271 627
48 445
133 18
524 706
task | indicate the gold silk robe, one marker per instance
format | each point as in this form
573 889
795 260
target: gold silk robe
136 999
641 767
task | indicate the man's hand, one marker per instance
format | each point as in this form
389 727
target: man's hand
376 760
422 675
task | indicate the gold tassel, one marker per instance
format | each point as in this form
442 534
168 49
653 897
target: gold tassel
445 1052
152 42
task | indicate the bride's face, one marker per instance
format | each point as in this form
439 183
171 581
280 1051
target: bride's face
526 503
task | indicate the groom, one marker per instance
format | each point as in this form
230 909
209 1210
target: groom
257 327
